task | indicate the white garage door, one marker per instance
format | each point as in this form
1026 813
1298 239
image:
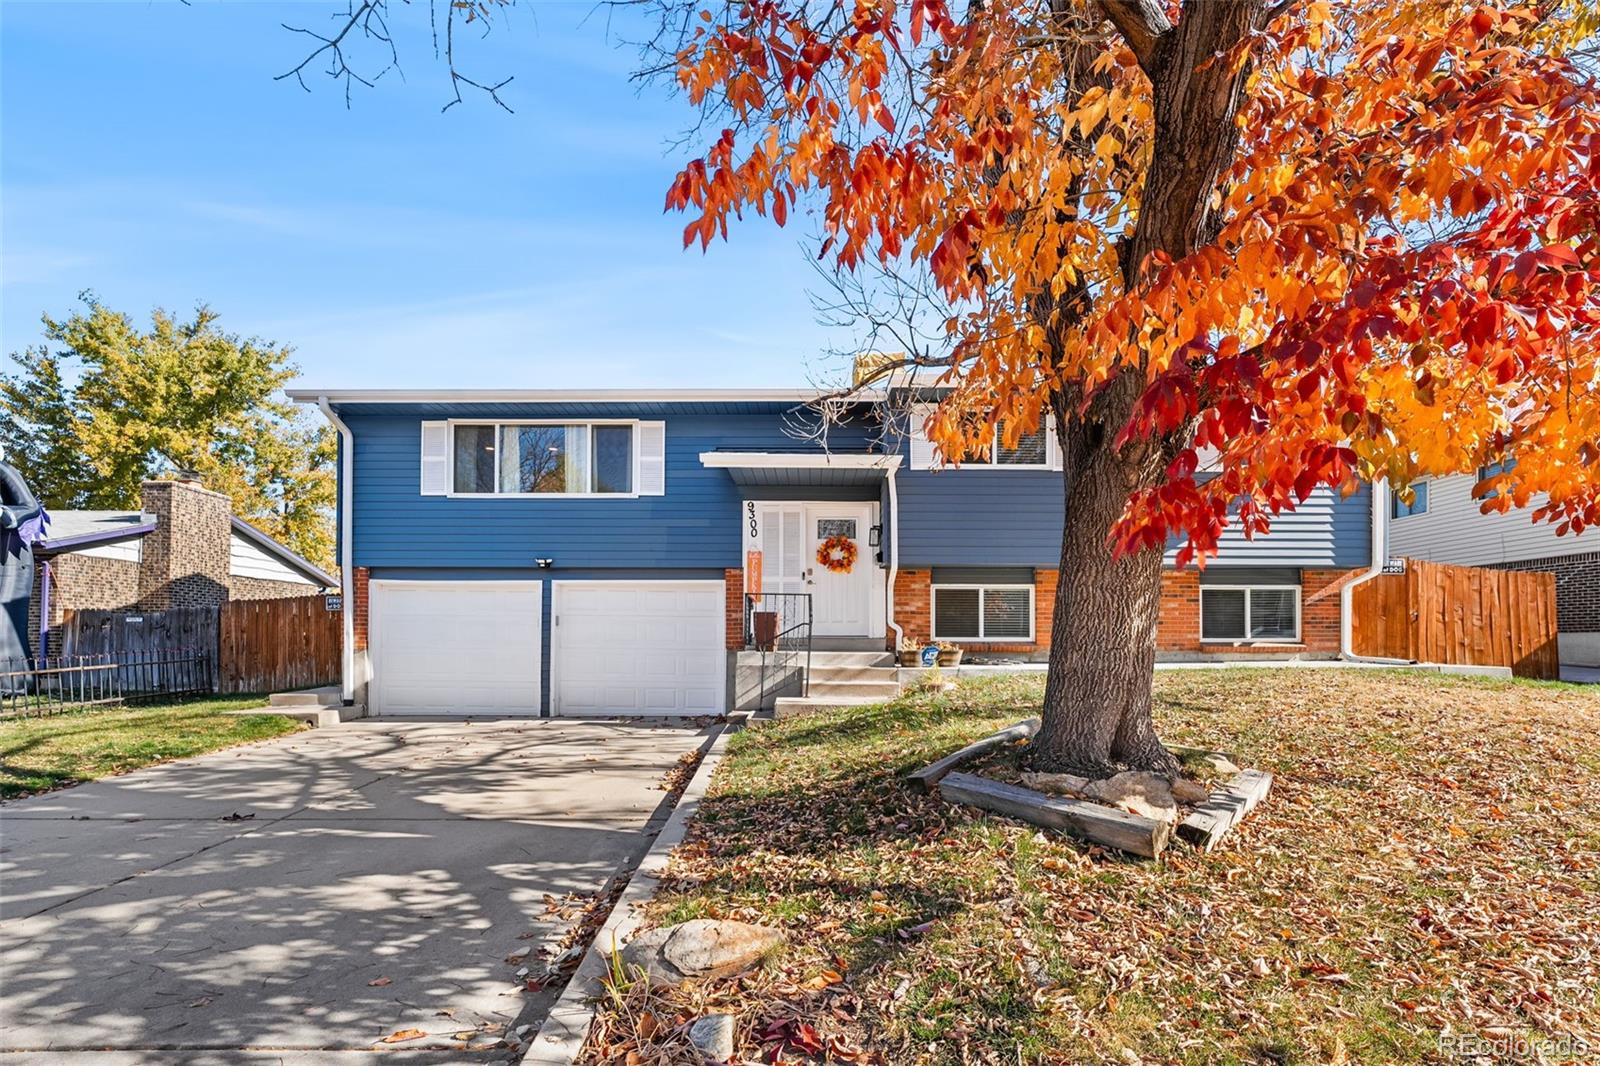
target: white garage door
637 647
455 647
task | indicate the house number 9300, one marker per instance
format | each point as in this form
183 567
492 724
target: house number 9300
755 526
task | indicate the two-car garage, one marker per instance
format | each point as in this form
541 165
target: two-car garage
464 647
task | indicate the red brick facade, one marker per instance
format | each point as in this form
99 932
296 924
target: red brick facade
733 611
358 581
1178 629
913 609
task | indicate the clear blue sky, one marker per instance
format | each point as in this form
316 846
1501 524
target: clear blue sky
147 154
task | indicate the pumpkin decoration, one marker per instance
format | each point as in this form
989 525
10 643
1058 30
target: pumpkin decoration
837 553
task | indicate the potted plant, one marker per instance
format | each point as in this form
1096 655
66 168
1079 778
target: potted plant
949 654
910 652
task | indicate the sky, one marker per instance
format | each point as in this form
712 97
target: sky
147 154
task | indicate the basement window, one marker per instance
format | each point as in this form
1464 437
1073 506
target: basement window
983 612
1240 613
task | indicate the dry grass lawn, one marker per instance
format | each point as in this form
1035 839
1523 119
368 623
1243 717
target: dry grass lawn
53 751
1427 867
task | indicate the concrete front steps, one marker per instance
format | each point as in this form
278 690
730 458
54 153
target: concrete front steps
318 706
843 679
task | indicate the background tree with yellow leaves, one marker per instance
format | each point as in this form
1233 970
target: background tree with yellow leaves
103 405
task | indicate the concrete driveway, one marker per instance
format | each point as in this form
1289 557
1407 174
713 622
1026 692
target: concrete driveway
298 900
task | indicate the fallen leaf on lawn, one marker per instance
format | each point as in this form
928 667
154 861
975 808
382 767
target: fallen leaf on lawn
400 1036
378 982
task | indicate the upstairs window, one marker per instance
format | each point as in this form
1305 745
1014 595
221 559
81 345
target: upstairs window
1033 449
1504 466
1399 508
542 459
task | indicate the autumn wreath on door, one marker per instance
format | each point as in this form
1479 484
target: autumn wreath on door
837 553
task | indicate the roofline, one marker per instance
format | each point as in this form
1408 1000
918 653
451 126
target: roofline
305 566
791 461
96 539
338 396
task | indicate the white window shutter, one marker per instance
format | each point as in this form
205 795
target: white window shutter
1052 444
922 452
652 458
435 458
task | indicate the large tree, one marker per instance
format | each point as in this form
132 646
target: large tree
1240 249
102 405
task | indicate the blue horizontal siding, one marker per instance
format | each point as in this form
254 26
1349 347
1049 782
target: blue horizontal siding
985 517
1328 531
975 517
959 517
695 524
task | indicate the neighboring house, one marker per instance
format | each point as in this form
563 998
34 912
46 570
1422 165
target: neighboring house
1444 524
589 552
182 548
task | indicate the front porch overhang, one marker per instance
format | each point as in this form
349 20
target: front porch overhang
802 469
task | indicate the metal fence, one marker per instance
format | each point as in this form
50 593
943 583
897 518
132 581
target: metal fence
778 625
67 682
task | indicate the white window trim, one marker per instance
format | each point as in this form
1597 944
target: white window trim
933 614
1247 639
498 424
991 462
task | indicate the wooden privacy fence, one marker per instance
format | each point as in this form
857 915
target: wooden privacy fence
1462 615
251 645
272 645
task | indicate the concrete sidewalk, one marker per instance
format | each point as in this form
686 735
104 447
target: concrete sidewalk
299 900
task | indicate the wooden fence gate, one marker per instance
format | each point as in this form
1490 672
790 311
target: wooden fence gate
143 637
250 645
1463 615
273 645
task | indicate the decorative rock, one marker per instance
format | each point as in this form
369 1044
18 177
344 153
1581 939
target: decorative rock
700 948
713 1035
1139 791
1061 784
1189 792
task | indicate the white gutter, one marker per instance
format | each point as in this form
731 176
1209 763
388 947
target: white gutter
567 395
894 556
1380 556
790 461
347 653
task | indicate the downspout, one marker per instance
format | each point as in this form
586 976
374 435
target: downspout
45 577
1380 556
894 558
347 654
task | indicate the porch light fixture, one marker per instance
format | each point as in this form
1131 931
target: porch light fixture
545 564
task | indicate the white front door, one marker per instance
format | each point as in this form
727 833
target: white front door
841 600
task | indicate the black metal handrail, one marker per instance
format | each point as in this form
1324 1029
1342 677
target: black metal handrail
784 642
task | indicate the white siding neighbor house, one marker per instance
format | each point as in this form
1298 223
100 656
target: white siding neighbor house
1444 525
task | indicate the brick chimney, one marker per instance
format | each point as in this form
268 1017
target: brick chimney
184 562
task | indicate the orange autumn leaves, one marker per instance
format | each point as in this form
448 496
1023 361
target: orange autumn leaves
1405 281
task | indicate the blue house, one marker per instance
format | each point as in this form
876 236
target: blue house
592 552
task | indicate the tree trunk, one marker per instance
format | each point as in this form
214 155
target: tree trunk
1096 716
